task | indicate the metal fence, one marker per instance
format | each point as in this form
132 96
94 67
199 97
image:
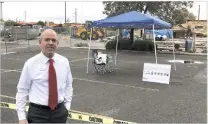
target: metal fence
60 30
14 37
27 37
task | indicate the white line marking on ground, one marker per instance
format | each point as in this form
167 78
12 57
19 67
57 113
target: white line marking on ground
8 70
8 53
17 70
13 59
71 57
20 70
79 60
8 97
118 69
94 81
17 48
127 61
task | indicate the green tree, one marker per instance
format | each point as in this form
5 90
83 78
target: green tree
41 23
10 23
174 12
181 16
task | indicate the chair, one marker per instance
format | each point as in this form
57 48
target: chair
101 62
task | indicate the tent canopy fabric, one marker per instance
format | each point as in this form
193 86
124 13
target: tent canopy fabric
167 32
132 19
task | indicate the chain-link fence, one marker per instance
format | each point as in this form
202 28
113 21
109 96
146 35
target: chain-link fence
16 37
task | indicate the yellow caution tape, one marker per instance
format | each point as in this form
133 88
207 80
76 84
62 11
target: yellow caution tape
81 116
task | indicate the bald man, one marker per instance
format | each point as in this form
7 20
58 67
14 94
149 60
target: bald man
46 78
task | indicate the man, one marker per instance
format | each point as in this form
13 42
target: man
47 79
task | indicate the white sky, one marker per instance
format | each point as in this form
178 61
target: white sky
55 11
203 10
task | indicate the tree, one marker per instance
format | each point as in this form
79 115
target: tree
174 12
41 23
10 23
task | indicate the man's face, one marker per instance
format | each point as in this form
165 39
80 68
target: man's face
48 43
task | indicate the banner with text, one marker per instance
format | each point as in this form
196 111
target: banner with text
158 73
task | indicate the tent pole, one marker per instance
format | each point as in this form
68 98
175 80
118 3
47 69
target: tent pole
174 53
89 50
116 45
153 26
70 36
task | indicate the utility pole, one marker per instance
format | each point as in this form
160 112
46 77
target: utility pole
25 16
199 12
194 33
1 19
65 13
2 24
75 15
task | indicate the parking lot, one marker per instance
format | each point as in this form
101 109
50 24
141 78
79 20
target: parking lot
122 94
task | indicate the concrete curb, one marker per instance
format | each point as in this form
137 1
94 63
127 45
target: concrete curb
86 48
3 42
158 52
177 53
184 53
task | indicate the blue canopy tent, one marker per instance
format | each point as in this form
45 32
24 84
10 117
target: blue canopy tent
131 19
167 32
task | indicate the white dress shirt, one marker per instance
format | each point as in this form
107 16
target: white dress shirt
34 82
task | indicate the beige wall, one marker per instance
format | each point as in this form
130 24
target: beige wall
198 26
179 34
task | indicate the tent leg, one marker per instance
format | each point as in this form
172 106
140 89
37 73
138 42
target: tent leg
174 53
116 45
89 50
70 36
154 43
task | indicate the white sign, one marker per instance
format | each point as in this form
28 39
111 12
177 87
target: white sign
158 73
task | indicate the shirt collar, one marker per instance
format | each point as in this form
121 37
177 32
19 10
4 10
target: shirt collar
45 59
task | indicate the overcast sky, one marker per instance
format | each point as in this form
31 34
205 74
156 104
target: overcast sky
55 11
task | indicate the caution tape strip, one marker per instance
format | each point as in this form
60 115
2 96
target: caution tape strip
81 116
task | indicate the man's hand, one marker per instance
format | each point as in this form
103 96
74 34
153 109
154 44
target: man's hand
23 122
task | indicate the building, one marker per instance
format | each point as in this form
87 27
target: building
197 26
179 31
26 23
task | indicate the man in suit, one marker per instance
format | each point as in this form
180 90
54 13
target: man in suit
46 78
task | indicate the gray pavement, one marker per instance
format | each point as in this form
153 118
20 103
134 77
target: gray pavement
122 94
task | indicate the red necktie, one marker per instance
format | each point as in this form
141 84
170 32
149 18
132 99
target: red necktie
53 95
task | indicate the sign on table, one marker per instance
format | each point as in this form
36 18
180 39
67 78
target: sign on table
158 73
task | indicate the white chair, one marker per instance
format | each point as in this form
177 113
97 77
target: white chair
101 62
